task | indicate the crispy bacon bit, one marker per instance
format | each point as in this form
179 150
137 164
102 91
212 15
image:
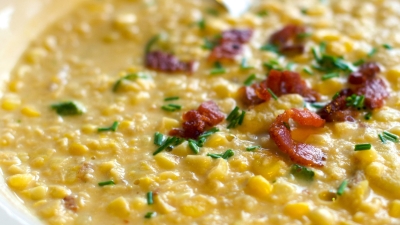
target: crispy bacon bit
85 169
280 83
70 203
288 40
165 62
303 154
197 121
363 82
230 44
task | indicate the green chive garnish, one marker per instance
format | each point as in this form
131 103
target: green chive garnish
150 215
330 76
272 94
252 148
286 125
227 154
362 147
159 138
303 35
169 143
105 183
302 172
270 48
209 132
383 140
390 137
112 128
387 46
69 108
218 69
132 76
208 44
249 80
308 71
171 107
201 24
368 116
341 188
372 52
262 13
193 146
359 62
235 118
171 98
149 198
244 66
150 43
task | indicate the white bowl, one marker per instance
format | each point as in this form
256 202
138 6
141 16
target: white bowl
20 22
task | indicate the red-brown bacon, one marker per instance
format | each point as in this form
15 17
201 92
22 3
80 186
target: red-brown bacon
280 83
230 44
363 82
288 40
303 154
195 122
161 61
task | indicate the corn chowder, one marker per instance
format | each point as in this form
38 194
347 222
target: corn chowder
174 112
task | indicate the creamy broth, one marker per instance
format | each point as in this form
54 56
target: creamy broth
68 172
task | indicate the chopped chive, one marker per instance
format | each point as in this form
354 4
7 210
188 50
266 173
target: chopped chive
209 132
149 198
286 125
356 101
273 94
105 183
132 76
235 118
249 80
70 108
336 95
150 215
171 98
150 43
387 46
330 76
202 24
244 66
302 172
171 141
171 107
270 48
303 35
112 128
272 65
213 12
362 147
159 138
391 137
304 11
233 113
262 13
218 69
318 105
208 44
290 66
368 116
227 154
252 148
372 52
359 62
383 140
322 47
193 146
241 117
341 188
308 71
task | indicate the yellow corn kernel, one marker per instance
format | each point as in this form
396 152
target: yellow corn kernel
317 10
199 164
393 74
349 45
394 209
165 161
125 125
19 181
58 191
38 193
336 48
322 216
49 209
138 203
146 182
30 112
119 207
168 124
224 89
34 55
105 167
329 87
123 20
88 128
219 171
169 175
10 103
78 149
269 167
366 157
161 205
259 186
296 210
15 169
239 164
215 140
37 162
15 86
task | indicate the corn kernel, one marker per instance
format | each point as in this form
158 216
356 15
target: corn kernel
269 167
322 216
219 171
57 191
78 149
146 182
15 169
296 210
138 203
393 74
161 205
49 209
105 167
15 86
366 157
215 140
317 10
169 175
259 186
19 181
10 103
329 87
30 112
124 125
38 193
37 162
199 164
394 209
88 128
119 207
165 161
168 124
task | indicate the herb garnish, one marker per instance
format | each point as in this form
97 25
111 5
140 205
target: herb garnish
359 62
356 101
132 76
387 46
308 71
362 147
368 116
249 80
272 65
193 145
244 66
69 108
252 148
227 154
150 215
202 24
273 95
218 69
113 127
304 35
329 63
150 43
171 98
212 11
149 196
262 13
169 143
270 48
208 44
105 183
342 187
330 76
159 138
387 136
372 52
235 117
302 172
171 107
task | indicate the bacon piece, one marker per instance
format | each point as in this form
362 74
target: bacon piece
84 170
280 83
337 110
230 44
197 121
165 62
375 93
303 154
70 203
288 41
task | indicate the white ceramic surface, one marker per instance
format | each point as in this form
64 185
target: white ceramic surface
20 21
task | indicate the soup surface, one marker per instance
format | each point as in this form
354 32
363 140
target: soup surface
174 112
